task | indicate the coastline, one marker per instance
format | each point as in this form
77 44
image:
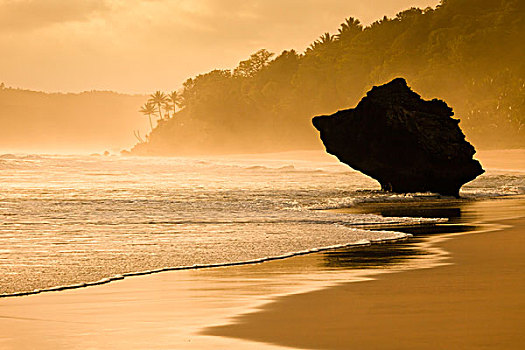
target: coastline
174 308
359 244
475 302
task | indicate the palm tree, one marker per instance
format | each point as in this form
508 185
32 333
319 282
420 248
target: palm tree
175 100
326 39
323 41
148 109
349 28
158 99
167 109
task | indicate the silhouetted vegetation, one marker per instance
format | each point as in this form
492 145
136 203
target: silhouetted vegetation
148 109
467 52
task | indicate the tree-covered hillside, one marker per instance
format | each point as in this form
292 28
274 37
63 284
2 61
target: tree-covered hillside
34 121
468 52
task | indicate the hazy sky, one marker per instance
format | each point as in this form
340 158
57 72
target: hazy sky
145 45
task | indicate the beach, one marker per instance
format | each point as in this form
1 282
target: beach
475 302
262 175
458 290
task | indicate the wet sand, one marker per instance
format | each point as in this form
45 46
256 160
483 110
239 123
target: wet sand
169 310
477 302
306 301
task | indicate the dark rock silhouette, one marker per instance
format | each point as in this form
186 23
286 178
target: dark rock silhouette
404 142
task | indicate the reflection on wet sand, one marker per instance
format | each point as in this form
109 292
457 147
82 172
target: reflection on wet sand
471 298
174 307
390 254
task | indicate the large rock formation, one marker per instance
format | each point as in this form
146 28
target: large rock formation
404 142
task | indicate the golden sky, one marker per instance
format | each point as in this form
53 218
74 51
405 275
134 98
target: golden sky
139 46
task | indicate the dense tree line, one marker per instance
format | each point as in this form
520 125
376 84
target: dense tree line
468 52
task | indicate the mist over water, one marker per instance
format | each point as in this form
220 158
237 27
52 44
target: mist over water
77 219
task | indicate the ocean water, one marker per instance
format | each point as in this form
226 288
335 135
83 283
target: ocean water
77 220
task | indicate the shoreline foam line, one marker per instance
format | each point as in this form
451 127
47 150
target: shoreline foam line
362 243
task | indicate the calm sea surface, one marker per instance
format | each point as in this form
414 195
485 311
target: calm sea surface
68 220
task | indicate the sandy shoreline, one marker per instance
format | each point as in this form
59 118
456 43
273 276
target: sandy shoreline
474 303
194 309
